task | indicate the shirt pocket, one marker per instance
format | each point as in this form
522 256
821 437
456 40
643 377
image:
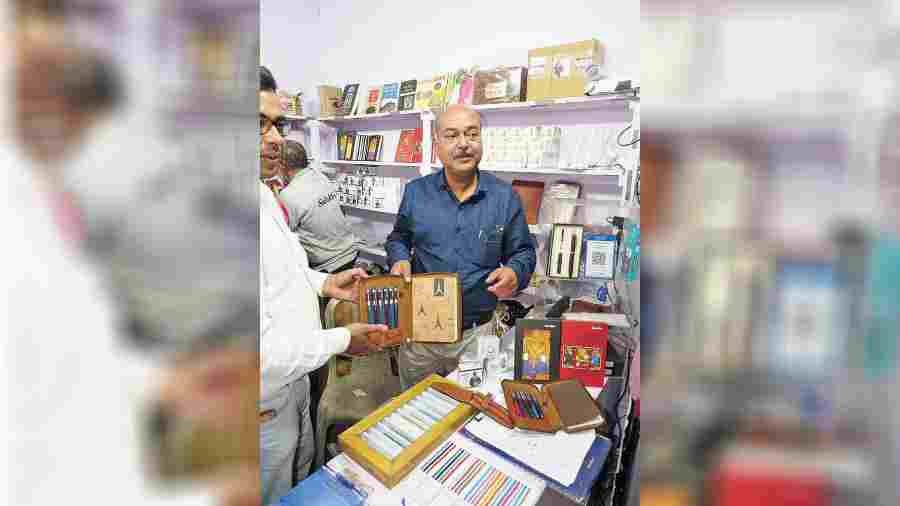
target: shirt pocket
490 241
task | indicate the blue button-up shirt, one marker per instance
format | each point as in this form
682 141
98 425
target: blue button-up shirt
437 233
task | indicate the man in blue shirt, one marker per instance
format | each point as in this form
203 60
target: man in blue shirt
465 221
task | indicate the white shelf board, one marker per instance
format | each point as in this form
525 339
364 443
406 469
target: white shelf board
291 117
383 211
359 162
563 104
364 117
556 172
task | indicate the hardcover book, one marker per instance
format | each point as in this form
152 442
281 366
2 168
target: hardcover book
410 147
537 350
390 96
407 95
583 352
424 91
374 99
349 102
374 148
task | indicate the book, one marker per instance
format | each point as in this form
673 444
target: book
424 91
583 352
329 100
373 100
349 102
438 92
537 350
500 85
407 95
374 148
467 88
390 95
409 148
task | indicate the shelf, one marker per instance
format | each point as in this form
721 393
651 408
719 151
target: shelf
376 116
291 117
379 164
373 250
383 211
563 104
556 172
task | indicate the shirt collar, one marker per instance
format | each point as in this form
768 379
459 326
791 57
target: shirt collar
480 189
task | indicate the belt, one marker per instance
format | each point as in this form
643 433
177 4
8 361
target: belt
479 320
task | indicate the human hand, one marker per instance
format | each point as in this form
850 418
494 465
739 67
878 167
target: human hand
502 282
359 338
403 268
343 285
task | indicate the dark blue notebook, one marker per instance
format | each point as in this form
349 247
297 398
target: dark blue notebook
580 489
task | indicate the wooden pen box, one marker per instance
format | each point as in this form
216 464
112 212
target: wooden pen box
390 470
426 310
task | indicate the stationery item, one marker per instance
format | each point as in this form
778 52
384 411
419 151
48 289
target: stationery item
537 350
477 400
390 96
530 194
500 85
392 440
564 404
558 204
564 469
374 98
424 90
409 149
461 472
599 256
323 488
370 305
583 352
428 307
565 251
563 70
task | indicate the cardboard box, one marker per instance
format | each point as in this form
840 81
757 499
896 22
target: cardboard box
561 71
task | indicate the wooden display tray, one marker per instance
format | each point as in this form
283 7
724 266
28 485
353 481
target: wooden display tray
391 471
423 327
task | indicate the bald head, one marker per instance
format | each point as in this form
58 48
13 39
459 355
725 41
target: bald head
458 137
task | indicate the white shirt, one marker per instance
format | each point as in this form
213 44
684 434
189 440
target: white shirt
292 341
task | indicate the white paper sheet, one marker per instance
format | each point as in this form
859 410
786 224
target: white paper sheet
558 456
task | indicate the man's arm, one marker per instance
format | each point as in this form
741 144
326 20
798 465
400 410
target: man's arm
399 241
283 357
518 248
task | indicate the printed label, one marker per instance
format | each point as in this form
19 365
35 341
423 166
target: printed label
496 90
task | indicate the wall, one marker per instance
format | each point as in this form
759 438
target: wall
310 43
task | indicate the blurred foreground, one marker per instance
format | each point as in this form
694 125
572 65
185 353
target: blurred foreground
131 228
771 283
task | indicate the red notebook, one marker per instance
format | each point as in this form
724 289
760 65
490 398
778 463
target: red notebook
583 352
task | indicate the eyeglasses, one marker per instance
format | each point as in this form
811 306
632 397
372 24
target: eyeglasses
266 124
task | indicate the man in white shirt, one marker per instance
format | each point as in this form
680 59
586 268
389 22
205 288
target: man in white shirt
292 341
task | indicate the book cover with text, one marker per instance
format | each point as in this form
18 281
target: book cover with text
390 96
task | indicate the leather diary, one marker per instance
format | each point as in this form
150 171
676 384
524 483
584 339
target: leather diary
426 310
561 405
530 193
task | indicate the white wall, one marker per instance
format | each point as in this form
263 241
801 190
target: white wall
307 43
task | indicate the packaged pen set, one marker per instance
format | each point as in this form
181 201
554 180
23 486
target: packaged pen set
426 310
565 405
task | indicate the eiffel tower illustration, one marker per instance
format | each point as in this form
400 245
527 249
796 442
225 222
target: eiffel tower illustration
437 322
